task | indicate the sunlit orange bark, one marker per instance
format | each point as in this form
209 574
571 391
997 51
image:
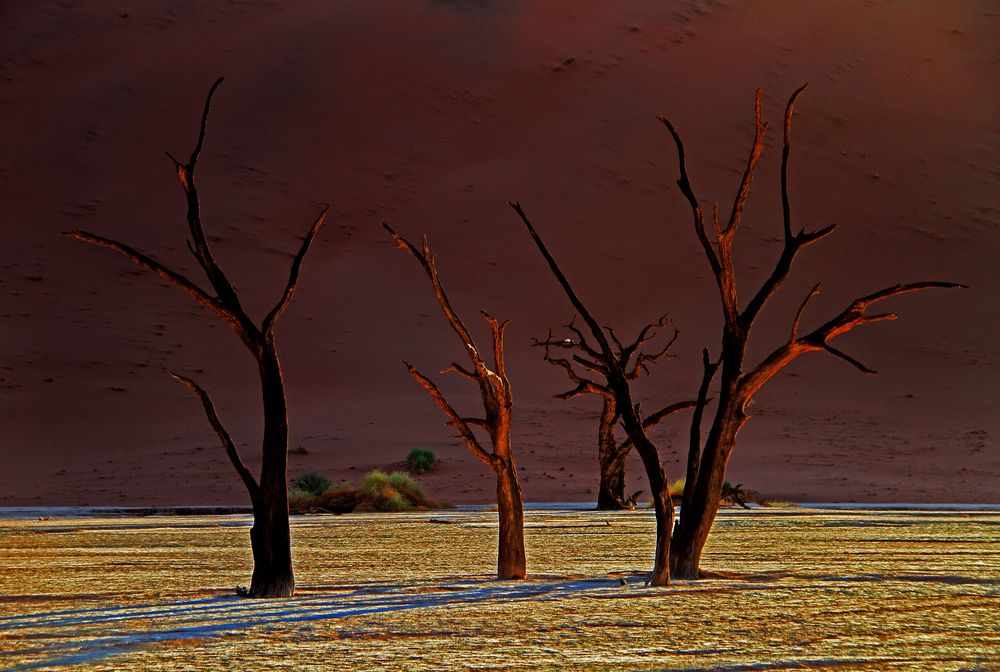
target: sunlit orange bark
738 382
497 404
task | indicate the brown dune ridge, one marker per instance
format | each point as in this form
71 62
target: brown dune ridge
431 115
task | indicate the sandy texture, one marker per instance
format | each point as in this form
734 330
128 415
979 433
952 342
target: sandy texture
432 115
829 591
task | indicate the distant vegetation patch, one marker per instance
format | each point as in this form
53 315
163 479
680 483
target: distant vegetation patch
312 483
421 460
379 491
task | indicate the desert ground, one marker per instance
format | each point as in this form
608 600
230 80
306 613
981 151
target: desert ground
432 115
831 590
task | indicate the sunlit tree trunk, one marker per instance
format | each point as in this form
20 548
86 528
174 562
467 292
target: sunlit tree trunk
738 382
497 401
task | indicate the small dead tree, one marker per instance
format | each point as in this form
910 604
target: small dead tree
619 383
270 537
497 402
738 380
633 361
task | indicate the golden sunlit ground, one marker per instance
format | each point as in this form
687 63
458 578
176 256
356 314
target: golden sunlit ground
817 590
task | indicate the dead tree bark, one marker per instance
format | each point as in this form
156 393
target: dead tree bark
632 360
497 403
738 382
617 381
270 537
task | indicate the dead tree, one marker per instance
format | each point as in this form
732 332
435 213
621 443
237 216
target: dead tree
619 383
738 380
270 537
497 402
633 361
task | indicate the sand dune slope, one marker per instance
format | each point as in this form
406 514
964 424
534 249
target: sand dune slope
431 116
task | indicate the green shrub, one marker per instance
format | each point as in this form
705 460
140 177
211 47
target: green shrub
420 460
394 502
379 492
393 492
410 489
312 482
676 488
375 482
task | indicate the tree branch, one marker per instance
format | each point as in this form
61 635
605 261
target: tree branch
235 322
802 309
793 243
760 129
709 368
248 480
202 252
454 419
685 186
460 370
595 328
656 418
583 385
850 360
293 275
582 340
851 317
426 259
497 328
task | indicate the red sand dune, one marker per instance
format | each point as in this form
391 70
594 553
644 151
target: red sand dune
431 116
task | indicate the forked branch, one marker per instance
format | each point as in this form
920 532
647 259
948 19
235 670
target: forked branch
234 456
427 262
293 274
851 317
225 304
454 418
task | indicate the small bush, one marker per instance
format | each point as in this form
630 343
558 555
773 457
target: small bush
375 482
676 488
300 501
393 492
338 499
379 492
410 489
420 460
312 482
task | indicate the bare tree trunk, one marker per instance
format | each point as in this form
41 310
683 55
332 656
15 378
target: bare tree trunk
270 542
663 508
497 400
698 515
611 459
511 563
270 536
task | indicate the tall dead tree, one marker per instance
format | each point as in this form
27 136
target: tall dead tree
270 537
707 460
619 383
738 380
497 402
633 361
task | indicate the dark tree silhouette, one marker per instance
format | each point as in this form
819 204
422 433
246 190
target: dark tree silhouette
738 380
680 555
633 361
497 402
270 537
619 384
